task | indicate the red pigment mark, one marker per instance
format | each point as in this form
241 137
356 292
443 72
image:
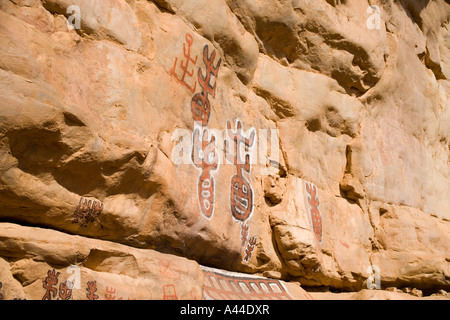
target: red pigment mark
205 157
110 294
308 296
344 244
87 211
241 197
184 66
169 292
250 247
65 290
194 294
49 282
332 214
316 218
169 270
244 233
200 104
91 289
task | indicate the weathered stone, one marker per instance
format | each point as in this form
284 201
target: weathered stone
342 255
414 249
100 138
371 295
98 270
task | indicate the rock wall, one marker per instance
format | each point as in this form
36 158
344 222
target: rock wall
303 141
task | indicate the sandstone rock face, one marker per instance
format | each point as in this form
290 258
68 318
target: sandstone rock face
50 265
307 142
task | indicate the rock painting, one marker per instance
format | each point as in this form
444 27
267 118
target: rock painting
205 158
250 247
313 202
244 234
241 196
204 155
49 284
65 290
110 294
200 104
184 65
169 292
222 285
241 192
91 290
87 211
169 270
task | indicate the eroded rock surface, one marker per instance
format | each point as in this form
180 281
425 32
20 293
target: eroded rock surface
122 129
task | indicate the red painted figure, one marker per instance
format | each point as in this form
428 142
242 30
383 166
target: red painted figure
205 157
65 290
185 66
169 292
93 213
241 197
169 270
87 211
82 209
244 233
316 218
250 247
91 289
49 282
200 104
110 294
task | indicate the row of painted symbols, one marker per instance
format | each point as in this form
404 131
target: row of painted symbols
224 286
168 270
204 155
65 288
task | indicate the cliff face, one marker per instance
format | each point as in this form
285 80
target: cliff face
302 141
